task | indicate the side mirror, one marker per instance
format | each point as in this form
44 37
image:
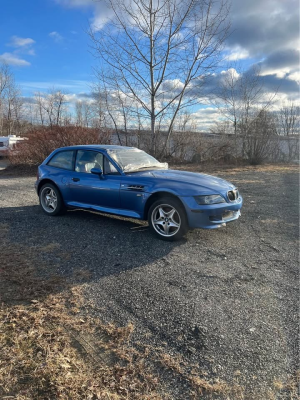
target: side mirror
97 171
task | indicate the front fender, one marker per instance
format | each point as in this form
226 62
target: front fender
180 189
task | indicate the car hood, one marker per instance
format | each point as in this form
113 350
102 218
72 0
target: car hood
203 180
186 182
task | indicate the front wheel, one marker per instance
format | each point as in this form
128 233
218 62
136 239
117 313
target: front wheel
51 200
167 219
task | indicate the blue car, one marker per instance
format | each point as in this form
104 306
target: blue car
127 181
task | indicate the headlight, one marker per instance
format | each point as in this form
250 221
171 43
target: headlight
211 199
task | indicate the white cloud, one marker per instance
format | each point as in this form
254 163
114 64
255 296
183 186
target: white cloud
76 3
172 84
13 59
278 72
238 54
102 13
294 76
17 41
21 45
75 86
56 36
231 72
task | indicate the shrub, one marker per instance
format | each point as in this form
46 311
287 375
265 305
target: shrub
259 138
41 141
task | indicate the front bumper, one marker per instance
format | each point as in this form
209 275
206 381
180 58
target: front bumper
211 216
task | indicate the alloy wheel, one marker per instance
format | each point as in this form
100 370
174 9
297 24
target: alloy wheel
166 220
49 199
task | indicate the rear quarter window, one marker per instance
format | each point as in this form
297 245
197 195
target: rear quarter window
63 160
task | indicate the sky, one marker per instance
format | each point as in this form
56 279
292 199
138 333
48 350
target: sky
46 43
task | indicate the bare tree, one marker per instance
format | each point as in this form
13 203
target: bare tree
241 96
10 102
86 113
289 120
262 137
158 52
289 115
5 78
59 100
79 113
39 101
51 106
13 108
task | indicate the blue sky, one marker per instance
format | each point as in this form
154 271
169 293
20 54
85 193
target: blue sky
58 52
46 44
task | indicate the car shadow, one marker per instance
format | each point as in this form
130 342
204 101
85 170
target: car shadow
78 247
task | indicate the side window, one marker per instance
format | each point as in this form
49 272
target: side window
86 160
109 169
63 159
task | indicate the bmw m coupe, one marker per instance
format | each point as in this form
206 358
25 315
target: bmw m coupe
128 182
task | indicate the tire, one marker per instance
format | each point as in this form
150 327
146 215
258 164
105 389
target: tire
51 200
170 217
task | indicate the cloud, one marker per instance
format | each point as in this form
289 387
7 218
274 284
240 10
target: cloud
13 59
281 62
17 41
75 86
263 32
102 13
174 86
294 76
259 27
274 83
238 54
76 3
56 36
22 45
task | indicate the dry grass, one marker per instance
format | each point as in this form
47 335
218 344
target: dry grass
49 248
39 358
50 348
43 336
199 381
234 169
289 388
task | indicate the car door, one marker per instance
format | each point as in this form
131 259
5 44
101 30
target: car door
89 189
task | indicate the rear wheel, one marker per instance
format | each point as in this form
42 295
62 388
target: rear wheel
167 219
51 200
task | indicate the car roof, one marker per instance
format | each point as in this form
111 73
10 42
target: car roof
95 147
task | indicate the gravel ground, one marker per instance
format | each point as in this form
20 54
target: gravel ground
3 163
225 299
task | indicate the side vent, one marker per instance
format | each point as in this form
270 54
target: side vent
135 187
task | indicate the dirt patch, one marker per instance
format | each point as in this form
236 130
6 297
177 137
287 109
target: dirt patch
43 329
213 316
18 170
50 346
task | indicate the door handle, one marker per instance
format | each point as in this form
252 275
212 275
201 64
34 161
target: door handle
75 179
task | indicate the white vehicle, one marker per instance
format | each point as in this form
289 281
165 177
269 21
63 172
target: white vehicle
8 143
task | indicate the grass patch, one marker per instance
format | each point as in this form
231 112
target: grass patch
235 169
41 357
51 348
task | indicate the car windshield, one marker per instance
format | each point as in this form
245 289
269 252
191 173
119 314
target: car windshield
134 159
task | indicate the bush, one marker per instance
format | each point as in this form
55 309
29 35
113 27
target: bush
41 141
259 140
